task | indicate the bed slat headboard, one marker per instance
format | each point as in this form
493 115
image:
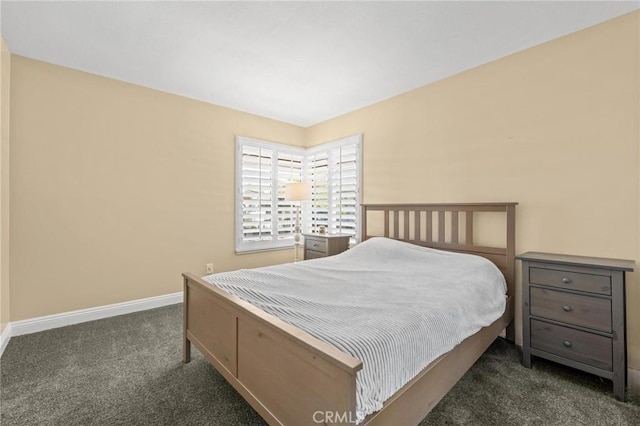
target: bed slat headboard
412 214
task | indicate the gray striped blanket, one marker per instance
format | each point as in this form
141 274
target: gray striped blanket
393 305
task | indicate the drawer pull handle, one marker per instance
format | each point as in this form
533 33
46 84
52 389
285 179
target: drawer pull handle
566 308
566 280
315 245
567 343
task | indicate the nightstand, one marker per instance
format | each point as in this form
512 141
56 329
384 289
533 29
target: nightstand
573 313
323 245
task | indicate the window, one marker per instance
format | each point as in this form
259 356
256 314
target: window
264 220
333 170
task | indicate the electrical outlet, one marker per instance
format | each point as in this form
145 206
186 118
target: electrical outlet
209 268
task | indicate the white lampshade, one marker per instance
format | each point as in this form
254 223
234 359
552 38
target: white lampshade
297 192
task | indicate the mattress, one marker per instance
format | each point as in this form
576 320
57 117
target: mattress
393 305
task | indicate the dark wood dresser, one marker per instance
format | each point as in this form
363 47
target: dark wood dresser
573 313
323 245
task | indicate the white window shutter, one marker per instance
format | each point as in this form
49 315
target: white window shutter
264 220
257 194
345 194
334 171
317 175
289 169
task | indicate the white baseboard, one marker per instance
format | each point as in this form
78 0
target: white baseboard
34 325
5 336
633 378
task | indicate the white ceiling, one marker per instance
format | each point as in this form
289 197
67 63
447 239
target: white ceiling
299 62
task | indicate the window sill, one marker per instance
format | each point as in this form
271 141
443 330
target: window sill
252 251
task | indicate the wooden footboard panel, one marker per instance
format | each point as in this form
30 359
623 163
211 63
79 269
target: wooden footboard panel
212 326
288 376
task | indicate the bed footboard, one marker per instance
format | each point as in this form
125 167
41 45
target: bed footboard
258 353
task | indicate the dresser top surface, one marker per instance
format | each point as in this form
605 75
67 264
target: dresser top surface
565 259
326 235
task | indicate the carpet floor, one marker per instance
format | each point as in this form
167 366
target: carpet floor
127 370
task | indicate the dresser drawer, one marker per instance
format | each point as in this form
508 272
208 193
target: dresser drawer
310 254
576 345
576 309
600 284
315 244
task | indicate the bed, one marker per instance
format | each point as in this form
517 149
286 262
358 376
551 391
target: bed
292 378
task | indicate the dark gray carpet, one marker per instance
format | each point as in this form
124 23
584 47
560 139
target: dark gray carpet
127 370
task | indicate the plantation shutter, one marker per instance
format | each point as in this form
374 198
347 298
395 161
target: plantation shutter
333 170
264 220
343 172
289 170
257 194
317 175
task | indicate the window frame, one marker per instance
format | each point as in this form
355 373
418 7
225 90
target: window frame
241 246
356 140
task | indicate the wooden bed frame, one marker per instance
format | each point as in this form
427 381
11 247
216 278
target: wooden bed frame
291 378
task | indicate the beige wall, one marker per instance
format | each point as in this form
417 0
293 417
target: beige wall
555 128
117 189
5 71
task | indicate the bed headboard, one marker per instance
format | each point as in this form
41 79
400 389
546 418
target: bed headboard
448 218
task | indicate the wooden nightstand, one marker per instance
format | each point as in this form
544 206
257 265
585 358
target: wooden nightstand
573 313
318 245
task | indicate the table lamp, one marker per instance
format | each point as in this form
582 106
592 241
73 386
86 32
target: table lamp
299 192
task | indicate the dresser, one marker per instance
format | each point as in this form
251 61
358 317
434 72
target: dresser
573 313
323 245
